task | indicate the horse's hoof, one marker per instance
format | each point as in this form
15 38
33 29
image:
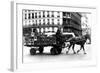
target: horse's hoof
67 52
74 52
78 51
85 53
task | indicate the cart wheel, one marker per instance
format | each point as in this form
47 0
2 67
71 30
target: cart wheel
53 51
32 51
59 50
40 49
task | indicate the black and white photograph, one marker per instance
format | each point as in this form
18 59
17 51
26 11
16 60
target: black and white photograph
50 36
55 35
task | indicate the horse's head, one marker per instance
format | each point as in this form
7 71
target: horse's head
87 36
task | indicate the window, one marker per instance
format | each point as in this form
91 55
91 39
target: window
39 14
46 29
39 22
43 14
41 30
29 22
25 16
52 13
37 29
52 29
25 22
36 22
32 15
64 13
58 14
35 15
29 17
68 15
43 21
47 13
33 22
48 21
52 21
58 22
66 21
55 29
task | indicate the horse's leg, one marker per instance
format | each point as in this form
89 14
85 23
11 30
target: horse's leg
84 49
73 48
68 48
79 49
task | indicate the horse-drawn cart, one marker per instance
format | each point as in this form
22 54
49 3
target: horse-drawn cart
37 43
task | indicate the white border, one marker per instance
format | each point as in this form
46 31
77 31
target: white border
16 60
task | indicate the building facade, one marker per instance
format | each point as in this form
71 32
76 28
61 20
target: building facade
50 21
86 29
72 22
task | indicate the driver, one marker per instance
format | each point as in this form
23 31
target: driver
58 36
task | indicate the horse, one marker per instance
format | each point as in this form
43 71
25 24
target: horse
78 41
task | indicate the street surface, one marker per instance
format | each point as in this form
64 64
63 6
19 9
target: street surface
47 57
